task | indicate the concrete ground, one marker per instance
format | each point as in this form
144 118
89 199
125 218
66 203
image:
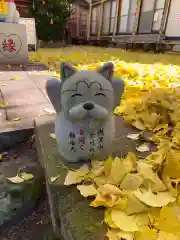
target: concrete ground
24 92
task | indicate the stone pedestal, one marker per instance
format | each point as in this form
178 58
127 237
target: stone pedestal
72 217
13 44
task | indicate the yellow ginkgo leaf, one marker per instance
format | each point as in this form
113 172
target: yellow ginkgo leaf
156 158
53 179
110 189
87 190
172 165
151 178
131 181
15 78
139 125
74 177
101 200
130 162
4 105
146 170
97 168
159 186
134 205
160 127
108 219
16 119
1 157
49 111
107 166
133 136
154 215
123 221
142 219
166 236
114 234
159 199
143 148
52 135
178 200
146 233
172 185
121 203
27 176
16 179
169 221
115 175
99 180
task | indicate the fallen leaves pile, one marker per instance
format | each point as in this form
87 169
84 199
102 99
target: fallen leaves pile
141 196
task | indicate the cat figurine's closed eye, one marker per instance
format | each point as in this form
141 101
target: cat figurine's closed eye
84 102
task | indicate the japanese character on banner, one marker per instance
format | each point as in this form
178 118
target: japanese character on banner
100 135
8 45
81 139
92 145
72 141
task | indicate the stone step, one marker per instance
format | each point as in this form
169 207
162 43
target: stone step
72 218
26 98
19 156
35 66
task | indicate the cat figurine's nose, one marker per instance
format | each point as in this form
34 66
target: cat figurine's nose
88 106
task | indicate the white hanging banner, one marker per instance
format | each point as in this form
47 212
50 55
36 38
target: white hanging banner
30 30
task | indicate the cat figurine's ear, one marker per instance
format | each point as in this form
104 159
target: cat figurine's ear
53 89
53 86
107 70
118 87
66 71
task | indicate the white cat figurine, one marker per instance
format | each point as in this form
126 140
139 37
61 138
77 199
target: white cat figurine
84 102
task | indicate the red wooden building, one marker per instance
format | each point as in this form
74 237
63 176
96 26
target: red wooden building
23 6
78 20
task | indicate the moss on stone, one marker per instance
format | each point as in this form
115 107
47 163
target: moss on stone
85 222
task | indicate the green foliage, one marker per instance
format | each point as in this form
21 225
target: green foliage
51 18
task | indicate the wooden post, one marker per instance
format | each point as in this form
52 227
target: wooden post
77 20
116 17
136 21
89 20
164 19
100 19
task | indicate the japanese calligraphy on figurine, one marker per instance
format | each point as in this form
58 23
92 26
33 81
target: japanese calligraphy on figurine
78 142
84 102
72 141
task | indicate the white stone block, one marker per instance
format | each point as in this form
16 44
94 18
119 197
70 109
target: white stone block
13 44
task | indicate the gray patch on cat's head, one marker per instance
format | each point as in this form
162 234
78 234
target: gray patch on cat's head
85 93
